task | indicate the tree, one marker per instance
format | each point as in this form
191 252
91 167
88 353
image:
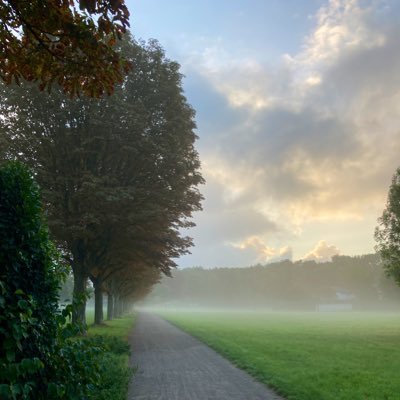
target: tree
119 174
387 233
55 41
129 285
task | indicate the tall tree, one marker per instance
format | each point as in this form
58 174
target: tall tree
62 41
117 173
387 233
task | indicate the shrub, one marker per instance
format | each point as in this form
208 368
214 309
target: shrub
38 358
113 368
115 377
111 344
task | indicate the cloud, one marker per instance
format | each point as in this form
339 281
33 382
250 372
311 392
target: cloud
224 219
265 253
317 146
314 138
322 252
214 114
257 244
342 26
285 253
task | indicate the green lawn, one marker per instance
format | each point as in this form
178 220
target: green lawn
119 327
307 356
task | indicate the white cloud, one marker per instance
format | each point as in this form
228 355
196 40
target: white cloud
342 25
316 138
322 252
264 252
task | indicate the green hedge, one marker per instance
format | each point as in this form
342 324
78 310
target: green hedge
39 358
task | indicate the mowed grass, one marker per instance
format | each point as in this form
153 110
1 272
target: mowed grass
120 327
307 356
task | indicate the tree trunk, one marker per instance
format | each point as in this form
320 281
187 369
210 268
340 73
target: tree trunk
121 307
117 306
98 301
127 307
79 298
110 307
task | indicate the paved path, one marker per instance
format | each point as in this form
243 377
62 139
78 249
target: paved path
173 365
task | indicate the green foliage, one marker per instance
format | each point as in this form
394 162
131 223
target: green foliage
28 284
112 344
119 175
114 369
387 233
75 370
38 357
307 356
115 377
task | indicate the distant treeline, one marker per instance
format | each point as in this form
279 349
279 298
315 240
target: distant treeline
357 281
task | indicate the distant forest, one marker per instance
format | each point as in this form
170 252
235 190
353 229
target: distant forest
359 282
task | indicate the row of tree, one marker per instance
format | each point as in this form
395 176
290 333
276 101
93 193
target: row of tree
300 285
119 175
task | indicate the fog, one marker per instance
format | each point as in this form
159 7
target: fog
343 284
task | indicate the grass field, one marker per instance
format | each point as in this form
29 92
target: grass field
308 356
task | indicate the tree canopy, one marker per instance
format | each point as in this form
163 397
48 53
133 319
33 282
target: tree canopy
71 43
119 174
387 233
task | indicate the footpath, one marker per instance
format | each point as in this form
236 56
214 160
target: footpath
172 365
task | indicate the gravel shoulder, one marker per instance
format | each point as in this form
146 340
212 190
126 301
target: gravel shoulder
172 365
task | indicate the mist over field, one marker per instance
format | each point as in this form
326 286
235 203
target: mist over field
343 284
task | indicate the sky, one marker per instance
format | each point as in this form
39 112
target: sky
298 117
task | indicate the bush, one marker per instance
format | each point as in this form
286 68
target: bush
111 344
113 367
38 360
115 377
